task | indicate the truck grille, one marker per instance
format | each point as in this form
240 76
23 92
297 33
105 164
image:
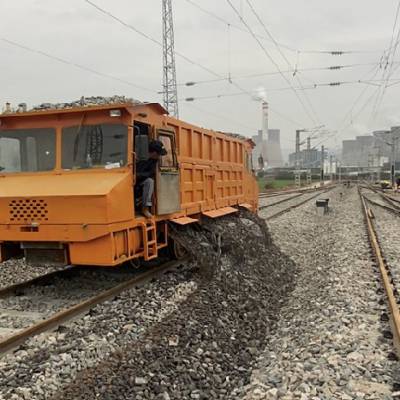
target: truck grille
28 210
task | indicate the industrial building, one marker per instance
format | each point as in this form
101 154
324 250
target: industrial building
270 149
372 150
307 158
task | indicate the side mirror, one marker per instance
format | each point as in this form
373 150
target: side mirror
142 147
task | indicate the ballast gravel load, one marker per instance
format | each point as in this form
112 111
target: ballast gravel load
207 347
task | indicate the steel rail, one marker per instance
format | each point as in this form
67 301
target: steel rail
277 194
281 201
284 192
387 208
385 197
385 273
301 193
286 210
393 200
13 341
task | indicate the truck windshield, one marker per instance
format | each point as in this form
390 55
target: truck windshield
94 146
27 150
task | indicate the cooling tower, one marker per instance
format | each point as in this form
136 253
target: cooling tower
274 151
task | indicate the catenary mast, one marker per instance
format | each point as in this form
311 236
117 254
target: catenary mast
170 90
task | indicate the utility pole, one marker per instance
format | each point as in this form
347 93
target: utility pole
393 160
379 165
297 174
170 88
322 180
371 166
308 162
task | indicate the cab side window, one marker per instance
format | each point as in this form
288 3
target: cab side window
169 160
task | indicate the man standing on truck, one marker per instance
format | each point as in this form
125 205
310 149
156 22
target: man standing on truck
145 174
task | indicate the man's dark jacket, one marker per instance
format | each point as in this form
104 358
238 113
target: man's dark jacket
145 169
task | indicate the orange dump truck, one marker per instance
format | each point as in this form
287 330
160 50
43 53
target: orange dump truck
67 179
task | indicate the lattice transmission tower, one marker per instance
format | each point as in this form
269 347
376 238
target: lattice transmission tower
170 89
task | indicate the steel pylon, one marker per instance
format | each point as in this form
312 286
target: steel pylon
170 89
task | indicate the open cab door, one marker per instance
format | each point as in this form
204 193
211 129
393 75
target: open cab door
168 183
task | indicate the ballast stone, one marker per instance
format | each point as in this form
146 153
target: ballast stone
252 292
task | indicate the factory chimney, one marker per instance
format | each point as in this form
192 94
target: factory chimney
264 130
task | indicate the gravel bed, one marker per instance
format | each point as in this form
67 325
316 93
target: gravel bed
270 201
268 212
63 291
42 300
204 350
15 271
388 230
375 197
329 342
46 362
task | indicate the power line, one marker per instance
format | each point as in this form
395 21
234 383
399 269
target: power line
76 65
261 74
120 21
388 66
286 46
148 37
282 54
374 71
224 117
226 22
311 87
285 117
108 76
271 59
220 116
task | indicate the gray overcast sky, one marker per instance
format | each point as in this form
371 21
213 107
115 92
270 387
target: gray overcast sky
77 32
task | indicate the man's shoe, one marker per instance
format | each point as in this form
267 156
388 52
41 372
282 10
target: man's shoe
146 212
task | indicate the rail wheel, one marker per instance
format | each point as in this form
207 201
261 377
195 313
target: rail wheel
176 250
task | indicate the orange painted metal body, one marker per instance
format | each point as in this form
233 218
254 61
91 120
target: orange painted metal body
90 213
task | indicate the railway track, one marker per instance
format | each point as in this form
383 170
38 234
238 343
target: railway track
291 207
388 206
22 314
386 274
280 201
394 203
285 192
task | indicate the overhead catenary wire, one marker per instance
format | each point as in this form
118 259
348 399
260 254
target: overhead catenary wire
262 74
264 50
374 72
260 20
234 26
286 46
108 76
310 87
148 37
74 64
388 66
205 68
220 116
